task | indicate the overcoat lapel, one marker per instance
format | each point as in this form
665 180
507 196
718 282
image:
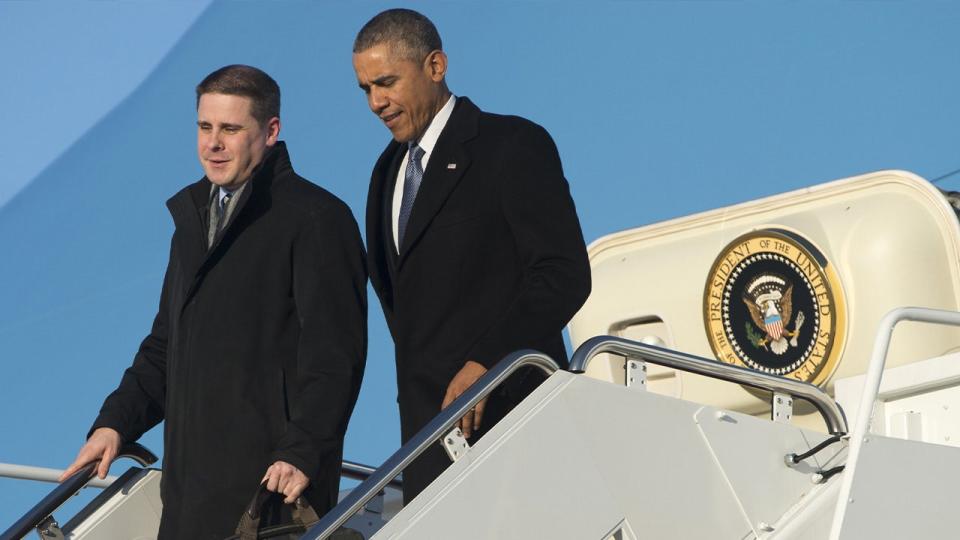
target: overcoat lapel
386 207
379 233
448 162
189 209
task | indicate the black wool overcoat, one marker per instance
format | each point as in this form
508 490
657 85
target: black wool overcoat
492 261
256 353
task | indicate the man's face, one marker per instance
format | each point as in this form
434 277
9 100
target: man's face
403 93
230 141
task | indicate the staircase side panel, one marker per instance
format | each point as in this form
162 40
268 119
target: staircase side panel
572 461
903 489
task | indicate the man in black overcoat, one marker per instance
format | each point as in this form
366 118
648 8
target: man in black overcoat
473 241
256 354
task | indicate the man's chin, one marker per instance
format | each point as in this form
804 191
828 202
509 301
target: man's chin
400 136
218 179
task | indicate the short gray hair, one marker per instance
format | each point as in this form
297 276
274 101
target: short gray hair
408 33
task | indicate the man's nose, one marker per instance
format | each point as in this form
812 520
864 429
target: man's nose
213 141
378 101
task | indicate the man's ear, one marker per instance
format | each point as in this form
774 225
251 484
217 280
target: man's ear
273 131
435 65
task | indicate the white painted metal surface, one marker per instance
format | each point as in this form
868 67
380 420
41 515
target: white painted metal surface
133 512
902 489
919 401
809 519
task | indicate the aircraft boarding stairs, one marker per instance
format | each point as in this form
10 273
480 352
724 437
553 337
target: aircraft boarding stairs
582 458
129 506
586 459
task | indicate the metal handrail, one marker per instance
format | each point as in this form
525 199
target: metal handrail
68 488
828 408
427 436
871 388
359 471
349 469
45 474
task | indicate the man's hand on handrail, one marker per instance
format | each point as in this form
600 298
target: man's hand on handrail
468 374
104 445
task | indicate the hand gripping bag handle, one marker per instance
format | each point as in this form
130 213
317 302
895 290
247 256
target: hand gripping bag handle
304 516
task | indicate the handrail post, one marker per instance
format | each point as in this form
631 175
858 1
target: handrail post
427 436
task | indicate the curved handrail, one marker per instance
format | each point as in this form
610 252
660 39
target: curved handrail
68 488
427 436
139 453
828 408
871 387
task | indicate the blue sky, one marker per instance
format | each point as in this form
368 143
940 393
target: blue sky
659 109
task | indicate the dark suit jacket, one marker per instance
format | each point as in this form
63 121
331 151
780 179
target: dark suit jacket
256 353
493 259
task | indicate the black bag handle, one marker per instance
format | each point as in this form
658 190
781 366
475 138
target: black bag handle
304 516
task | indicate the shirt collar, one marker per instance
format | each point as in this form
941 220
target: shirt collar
224 191
430 136
219 192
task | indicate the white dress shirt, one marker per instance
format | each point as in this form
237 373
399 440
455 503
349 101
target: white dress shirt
426 142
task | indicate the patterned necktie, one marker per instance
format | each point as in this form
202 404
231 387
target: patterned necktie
411 184
222 210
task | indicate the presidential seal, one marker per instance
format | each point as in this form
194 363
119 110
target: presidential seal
773 303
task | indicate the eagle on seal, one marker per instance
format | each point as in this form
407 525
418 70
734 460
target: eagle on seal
769 298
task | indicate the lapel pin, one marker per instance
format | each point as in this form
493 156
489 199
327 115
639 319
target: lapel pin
451 166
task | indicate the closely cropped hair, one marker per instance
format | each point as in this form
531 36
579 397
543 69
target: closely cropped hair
407 32
247 81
